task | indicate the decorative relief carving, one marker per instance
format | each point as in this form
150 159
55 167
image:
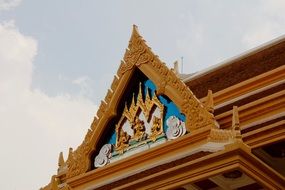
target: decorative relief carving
137 54
220 135
197 115
108 96
94 123
102 109
161 87
176 128
123 141
78 161
133 136
114 84
156 128
103 158
124 67
138 128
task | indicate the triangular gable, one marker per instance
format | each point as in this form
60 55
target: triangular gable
138 59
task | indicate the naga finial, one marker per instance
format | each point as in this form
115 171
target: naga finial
60 160
210 102
236 123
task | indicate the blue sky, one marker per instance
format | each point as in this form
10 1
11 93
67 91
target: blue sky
58 58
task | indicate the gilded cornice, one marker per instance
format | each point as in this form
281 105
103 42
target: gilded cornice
138 55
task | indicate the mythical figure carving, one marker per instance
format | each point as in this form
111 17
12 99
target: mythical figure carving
139 130
137 107
123 142
156 128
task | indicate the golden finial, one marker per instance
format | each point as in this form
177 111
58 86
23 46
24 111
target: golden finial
147 96
126 106
70 153
210 102
236 123
135 28
60 160
140 91
135 35
133 99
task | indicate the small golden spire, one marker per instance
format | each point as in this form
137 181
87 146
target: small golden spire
140 91
147 96
135 35
133 99
236 123
126 106
135 27
60 160
210 102
70 153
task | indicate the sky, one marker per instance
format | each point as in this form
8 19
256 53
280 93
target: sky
58 58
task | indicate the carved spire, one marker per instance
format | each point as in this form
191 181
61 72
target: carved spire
135 36
138 53
70 153
60 160
235 123
140 91
147 96
133 99
210 102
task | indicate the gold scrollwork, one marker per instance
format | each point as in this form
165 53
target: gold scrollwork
139 130
122 142
156 128
131 114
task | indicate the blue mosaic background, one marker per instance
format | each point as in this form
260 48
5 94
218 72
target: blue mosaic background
170 107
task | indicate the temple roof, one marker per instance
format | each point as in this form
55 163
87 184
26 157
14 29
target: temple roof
251 63
204 133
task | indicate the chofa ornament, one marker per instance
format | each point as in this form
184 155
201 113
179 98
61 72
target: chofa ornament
176 128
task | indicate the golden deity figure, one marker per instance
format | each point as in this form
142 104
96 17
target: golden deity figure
139 129
123 142
156 128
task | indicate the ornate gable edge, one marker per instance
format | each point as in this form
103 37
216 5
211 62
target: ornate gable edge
140 55
137 55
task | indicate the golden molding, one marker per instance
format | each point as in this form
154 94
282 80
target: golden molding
138 55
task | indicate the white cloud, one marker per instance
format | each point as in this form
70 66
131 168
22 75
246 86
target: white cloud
8 4
83 83
34 126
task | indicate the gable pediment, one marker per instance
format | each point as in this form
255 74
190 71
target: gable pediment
146 105
146 121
